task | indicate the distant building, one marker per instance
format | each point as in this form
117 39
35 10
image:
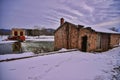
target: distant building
71 36
18 32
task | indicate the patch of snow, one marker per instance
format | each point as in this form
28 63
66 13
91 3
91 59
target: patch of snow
63 49
3 37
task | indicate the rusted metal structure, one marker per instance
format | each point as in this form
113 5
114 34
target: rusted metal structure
71 36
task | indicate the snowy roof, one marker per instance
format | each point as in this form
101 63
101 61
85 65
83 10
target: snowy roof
104 30
97 29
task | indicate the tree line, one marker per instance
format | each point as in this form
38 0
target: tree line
31 32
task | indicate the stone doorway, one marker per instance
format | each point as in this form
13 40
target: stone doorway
84 44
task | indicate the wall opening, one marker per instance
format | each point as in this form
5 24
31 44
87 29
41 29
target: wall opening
15 33
21 33
84 44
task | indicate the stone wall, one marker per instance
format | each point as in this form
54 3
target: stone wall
66 37
114 40
60 38
91 39
72 37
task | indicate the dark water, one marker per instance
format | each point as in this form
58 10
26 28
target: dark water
38 47
28 46
6 48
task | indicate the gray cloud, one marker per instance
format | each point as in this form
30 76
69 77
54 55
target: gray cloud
27 13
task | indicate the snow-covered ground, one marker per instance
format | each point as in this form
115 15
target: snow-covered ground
40 38
74 65
30 38
3 37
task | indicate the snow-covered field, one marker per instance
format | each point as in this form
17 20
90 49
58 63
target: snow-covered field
40 38
74 65
3 37
30 38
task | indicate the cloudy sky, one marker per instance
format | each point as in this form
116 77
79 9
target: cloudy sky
46 13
